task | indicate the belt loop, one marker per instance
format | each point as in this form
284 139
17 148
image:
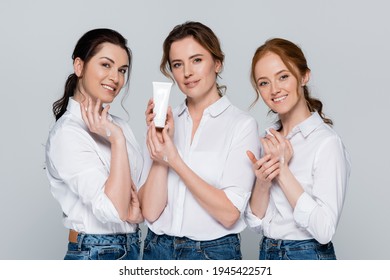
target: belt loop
139 233
267 242
197 245
128 241
80 241
280 244
155 237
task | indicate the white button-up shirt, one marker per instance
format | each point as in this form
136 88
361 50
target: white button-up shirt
78 165
218 155
321 165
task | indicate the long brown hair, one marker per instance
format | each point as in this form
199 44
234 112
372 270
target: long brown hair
293 57
87 46
203 35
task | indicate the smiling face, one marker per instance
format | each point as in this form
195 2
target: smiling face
103 76
194 70
278 87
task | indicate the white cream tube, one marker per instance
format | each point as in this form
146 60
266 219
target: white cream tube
161 91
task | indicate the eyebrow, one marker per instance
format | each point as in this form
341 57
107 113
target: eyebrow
281 71
191 57
112 61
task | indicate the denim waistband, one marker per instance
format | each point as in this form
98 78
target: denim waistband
186 242
84 239
290 244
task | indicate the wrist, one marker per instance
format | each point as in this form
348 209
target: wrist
263 186
117 139
174 161
283 174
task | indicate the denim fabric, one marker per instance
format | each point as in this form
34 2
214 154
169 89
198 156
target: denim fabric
165 247
275 249
105 247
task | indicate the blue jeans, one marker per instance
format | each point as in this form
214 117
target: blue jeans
105 247
165 247
311 249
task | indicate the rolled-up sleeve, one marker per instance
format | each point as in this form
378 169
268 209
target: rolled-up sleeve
238 177
253 222
319 212
76 163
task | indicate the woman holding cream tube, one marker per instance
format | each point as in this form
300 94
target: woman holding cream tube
303 172
198 178
93 161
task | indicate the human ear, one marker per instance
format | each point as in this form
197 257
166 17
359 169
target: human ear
218 66
306 78
78 65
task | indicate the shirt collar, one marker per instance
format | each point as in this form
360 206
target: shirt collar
306 127
74 108
310 124
214 109
182 108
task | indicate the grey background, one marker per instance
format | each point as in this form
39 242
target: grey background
346 43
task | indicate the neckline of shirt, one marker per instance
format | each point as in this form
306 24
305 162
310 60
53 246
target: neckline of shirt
215 109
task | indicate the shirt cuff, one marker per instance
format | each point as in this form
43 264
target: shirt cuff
239 200
105 211
303 209
253 222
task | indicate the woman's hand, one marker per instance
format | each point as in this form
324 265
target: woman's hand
160 145
135 214
149 116
277 146
266 168
98 123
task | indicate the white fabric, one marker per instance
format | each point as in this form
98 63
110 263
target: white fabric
218 155
78 164
321 164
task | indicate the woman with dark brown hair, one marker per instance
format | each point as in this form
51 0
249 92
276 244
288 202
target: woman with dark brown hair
93 161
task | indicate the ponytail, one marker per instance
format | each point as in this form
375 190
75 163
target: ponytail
59 107
315 105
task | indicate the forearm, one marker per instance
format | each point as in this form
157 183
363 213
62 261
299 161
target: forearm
118 184
153 194
213 200
290 186
259 199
